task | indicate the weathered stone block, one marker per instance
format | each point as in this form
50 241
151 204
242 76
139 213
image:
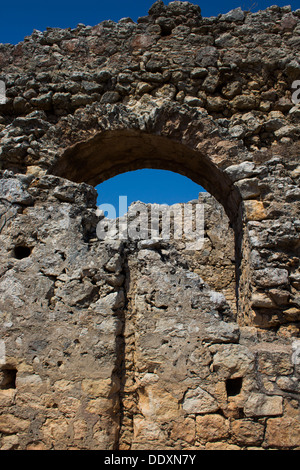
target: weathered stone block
255 210
211 428
269 277
247 433
10 424
259 404
198 401
283 432
137 345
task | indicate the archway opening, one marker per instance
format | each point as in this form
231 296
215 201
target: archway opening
192 225
174 303
148 186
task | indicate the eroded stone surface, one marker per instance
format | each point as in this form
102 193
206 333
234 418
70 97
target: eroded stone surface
148 344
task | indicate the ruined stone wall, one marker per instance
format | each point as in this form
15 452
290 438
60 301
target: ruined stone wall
122 345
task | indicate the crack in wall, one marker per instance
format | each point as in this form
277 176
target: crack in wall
125 367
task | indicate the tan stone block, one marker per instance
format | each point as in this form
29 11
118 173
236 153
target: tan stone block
56 430
10 424
292 314
101 406
184 429
7 397
199 401
295 173
36 446
221 394
261 300
255 210
283 432
233 408
145 429
157 403
96 388
35 171
63 385
247 432
105 432
221 446
9 442
69 406
211 428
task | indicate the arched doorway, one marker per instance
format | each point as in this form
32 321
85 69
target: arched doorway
169 316
177 296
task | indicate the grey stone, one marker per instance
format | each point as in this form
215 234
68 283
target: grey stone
270 277
262 405
207 57
198 401
249 188
241 171
12 191
233 15
110 97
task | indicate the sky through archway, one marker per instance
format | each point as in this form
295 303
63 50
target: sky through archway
149 186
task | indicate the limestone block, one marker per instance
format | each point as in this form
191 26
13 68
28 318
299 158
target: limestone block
249 187
147 430
233 360
10 424
246 432
240 171
7 397
259 404
56 431
210 428
271 277
255 210
13 191
262 300
100 387
198 401
9 442
283 432
158 404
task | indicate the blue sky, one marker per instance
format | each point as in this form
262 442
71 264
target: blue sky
160 186
19 18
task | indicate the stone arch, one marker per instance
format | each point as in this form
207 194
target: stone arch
174 138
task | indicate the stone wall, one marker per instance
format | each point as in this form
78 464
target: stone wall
120 345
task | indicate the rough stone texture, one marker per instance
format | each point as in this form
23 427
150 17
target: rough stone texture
149 344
